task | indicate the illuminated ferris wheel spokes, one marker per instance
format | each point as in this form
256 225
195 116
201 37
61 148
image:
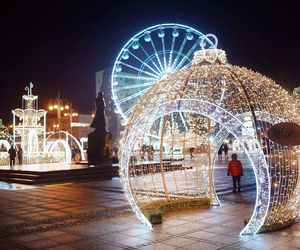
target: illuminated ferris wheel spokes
149 56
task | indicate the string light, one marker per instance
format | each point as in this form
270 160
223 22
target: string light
31 134
233 100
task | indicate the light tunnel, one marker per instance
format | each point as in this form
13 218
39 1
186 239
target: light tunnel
230 125
227 98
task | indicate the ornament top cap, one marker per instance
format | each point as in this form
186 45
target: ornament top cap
211 54
205 39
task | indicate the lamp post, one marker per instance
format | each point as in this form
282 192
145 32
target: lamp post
63 108
71 114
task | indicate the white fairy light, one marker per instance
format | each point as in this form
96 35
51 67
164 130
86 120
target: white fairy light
30 132
242 103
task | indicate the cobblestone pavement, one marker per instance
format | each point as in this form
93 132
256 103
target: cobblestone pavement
95 215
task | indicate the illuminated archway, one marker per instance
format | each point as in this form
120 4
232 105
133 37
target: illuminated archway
5 143
68 154
72 138
231 124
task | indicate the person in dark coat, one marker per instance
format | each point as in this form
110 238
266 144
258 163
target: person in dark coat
144 149
12 155
20 155
220 152
225 149
235 169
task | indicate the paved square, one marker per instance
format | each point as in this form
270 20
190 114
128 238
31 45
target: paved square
96 215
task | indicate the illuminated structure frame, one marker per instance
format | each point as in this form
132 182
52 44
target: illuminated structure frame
68 136
36 147
229 96
29 128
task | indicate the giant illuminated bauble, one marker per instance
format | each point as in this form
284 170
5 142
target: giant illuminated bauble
149 56
235 101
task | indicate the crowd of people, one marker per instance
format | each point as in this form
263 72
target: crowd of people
234 169
17 152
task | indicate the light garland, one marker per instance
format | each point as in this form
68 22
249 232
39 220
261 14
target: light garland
229 97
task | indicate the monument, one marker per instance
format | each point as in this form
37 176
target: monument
98 140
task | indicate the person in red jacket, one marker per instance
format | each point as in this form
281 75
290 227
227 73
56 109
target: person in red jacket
235 169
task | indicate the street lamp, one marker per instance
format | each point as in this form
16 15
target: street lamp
62 107
55 126
71 114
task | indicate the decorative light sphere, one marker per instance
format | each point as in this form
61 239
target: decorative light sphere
119 68
123 122
175 33
116 111
135 45
147 37
189 36
224 99
125 55
161 33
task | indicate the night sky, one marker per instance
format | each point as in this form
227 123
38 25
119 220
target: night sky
60 45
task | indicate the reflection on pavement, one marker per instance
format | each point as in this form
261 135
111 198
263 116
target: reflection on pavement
45 167
14 186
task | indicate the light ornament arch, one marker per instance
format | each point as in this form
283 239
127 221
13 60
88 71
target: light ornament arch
73 138
68 156
227 95
6 143
232 124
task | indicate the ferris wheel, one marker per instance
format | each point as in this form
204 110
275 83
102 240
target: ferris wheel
149 56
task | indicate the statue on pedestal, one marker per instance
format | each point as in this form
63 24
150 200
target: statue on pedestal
97 140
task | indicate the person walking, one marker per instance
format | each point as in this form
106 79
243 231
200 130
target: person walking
20 155
12 155
225 149
235 169
220 152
